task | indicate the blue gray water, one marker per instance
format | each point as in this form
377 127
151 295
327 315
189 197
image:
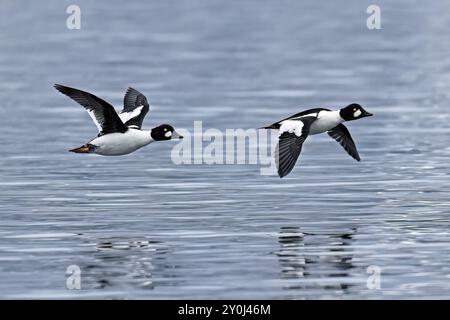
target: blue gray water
139 226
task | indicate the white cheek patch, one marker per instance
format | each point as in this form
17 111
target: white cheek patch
357 113
168 134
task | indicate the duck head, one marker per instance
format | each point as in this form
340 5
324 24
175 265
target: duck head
164 132
353 111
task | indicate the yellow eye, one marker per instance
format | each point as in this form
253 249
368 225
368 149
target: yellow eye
354 109
165 129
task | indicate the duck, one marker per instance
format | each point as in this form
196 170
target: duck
118 133
294 130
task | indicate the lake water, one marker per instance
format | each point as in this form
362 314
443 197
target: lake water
139 226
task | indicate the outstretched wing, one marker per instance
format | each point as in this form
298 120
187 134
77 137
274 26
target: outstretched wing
101 112
341 134
292 135
135 107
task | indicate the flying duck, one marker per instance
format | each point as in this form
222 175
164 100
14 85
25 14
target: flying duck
294 130
121 133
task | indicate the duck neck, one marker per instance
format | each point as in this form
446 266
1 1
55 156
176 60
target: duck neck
339 116
142 136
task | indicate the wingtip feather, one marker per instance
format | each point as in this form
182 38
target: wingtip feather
57 85
62 89
131 89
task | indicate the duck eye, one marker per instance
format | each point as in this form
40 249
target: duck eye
354 109
165 129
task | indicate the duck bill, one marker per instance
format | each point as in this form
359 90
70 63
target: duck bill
366 114
176 135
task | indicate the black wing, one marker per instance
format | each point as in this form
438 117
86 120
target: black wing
342 135
101 112
312 112
290 145
135 107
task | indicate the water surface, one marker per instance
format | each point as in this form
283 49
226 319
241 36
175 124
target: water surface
139 226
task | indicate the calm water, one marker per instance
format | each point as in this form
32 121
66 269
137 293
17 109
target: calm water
139 226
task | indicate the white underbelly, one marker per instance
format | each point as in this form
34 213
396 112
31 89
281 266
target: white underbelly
117 144
323 124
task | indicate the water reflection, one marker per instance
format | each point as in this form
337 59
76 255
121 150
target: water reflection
120 263
325 259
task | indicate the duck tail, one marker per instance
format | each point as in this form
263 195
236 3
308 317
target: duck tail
272 126
87 148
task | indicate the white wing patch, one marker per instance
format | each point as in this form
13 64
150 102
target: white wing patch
292 126
96 121
125 116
